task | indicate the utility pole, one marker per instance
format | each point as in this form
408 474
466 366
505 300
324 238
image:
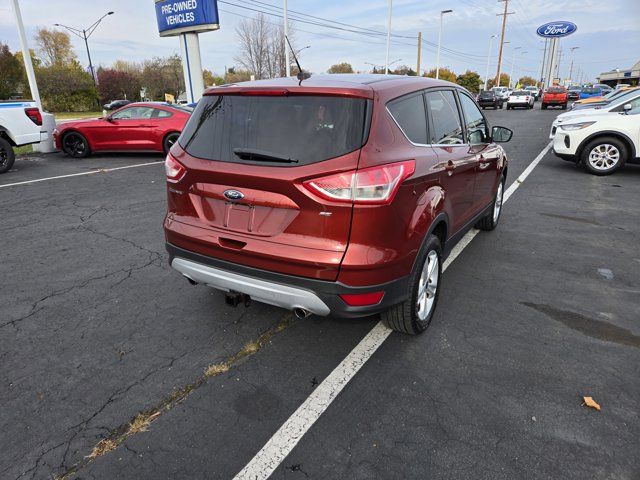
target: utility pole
544 58
419 52
286 35
504 26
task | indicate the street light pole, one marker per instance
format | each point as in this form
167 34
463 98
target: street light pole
571 67
386 63
85 34
486 75
513 61
442 13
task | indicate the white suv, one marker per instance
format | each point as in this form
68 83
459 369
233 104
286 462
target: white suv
603 143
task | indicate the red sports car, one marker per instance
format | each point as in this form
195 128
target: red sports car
138 127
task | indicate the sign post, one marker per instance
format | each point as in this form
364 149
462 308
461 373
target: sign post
186 19
553 31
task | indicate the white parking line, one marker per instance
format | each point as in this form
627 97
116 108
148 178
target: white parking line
291 432
100 170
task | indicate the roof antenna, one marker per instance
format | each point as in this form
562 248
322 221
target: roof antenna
302 75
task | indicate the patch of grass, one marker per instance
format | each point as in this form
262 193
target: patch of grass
70 115
23 150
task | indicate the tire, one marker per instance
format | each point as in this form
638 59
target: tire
75 145
7 155
604 155
544 106
564 106
501 106
413 316
169 140
490 221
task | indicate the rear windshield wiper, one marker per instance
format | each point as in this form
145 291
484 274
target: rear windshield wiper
261 155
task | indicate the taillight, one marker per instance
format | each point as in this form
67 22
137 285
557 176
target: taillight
34 114
370 186
174 169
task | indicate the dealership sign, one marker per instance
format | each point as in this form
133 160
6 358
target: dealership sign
184 16
556 29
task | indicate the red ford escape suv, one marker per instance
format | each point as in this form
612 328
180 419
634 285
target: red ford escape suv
341 194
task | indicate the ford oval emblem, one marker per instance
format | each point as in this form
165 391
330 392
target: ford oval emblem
556 29
233 194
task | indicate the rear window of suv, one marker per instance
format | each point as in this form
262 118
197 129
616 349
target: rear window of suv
303 128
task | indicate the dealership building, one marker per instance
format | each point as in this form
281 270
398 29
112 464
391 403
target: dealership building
630 76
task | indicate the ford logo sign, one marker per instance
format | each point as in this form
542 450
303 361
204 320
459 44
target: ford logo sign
556 29
233 194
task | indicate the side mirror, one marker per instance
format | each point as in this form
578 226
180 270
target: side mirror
627 107
501 134
109 119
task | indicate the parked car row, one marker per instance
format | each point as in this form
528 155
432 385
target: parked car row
600 137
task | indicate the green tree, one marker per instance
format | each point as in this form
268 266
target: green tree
12 73
343 67
444 74
66 88
211 79
162 75
469 80
528 81
54 47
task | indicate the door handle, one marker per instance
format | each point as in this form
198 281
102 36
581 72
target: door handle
449 167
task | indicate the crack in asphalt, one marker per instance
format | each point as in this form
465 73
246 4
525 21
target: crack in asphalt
139 423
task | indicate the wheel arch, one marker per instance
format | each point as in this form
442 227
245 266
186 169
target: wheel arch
608 133
4 133
66 132
440 228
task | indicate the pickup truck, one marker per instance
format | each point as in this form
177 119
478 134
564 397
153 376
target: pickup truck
555 96
20 124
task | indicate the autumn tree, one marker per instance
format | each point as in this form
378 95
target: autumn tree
211 79
116 85
528 81
444 74
469 80
66 88
12 73
235 75
504 81
404 70
54 47
343 67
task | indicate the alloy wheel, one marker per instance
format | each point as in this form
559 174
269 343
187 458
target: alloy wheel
427 286
73 144
497 206
4 157
604 156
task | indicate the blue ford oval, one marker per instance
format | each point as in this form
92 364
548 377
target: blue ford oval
556 29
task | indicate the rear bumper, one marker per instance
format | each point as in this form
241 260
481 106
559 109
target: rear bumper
285 291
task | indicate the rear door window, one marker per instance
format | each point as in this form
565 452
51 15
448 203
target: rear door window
444 126
409 113
301 129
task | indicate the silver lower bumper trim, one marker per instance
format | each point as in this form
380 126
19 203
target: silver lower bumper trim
260 290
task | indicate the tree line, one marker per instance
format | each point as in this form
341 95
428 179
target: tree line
66 86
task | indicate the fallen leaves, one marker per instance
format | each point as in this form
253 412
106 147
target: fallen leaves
591 403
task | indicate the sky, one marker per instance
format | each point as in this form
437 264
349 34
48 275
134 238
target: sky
608 34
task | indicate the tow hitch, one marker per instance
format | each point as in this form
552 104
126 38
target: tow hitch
235 298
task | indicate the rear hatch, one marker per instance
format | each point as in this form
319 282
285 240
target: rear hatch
247 153
555 95
521 96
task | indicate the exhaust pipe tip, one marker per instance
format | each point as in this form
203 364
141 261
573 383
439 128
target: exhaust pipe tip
191 281
301 312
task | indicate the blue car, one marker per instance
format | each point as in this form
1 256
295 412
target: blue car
588 92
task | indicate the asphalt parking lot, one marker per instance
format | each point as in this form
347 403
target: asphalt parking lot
113 366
